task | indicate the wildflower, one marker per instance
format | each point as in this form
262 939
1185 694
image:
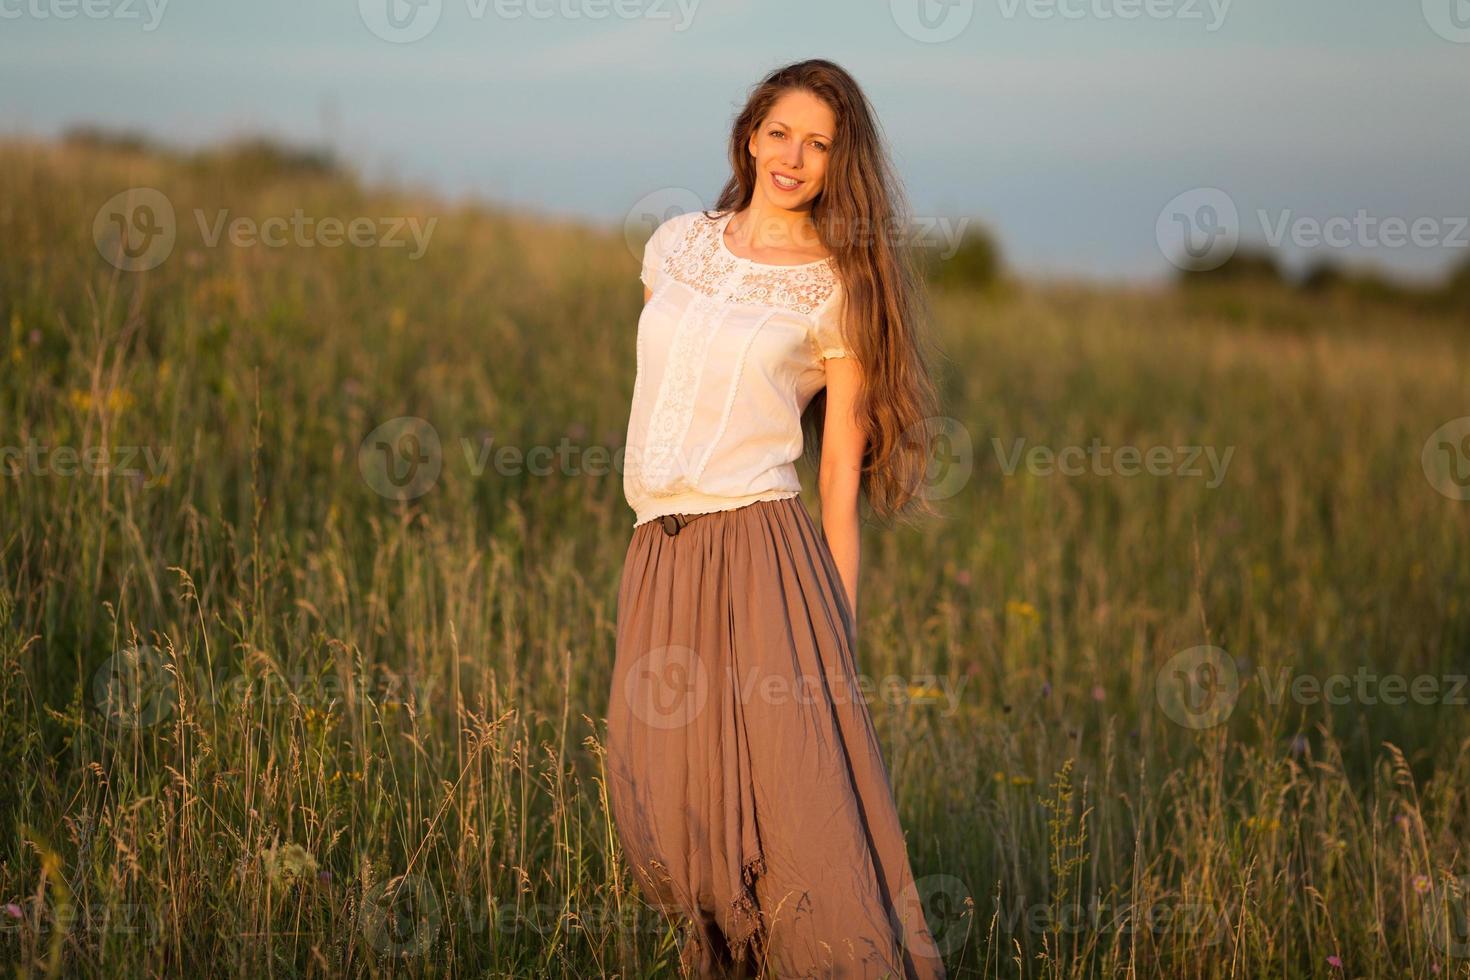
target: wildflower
1022 780
999 777
1421 884
962 577
1022 609
1046 689
13 910
1335 961
1098 693
288 864
922 692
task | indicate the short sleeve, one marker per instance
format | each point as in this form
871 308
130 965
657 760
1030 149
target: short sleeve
657 248
827 326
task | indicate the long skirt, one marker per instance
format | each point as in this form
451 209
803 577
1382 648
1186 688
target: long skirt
744 775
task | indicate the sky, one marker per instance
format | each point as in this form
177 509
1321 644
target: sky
1094 138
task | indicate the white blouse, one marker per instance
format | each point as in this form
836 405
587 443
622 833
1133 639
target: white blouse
730 352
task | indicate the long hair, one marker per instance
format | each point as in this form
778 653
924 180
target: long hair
862 219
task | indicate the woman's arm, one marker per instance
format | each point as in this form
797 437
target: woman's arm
843 443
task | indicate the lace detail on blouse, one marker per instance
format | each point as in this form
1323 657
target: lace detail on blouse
702 262
730 351
673 407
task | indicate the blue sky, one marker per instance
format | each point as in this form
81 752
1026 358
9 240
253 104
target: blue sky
1062 124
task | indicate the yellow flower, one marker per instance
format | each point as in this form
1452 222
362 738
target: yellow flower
118 400
1000 777
1021 608
1022 780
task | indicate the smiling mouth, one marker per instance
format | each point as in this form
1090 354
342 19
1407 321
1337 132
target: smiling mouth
784 182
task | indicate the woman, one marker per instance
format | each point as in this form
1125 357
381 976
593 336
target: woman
744 773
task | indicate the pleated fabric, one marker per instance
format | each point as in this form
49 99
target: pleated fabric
744 774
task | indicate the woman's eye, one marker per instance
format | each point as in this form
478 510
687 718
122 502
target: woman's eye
776 132
821 146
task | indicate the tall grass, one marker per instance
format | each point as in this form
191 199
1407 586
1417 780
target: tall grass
258 718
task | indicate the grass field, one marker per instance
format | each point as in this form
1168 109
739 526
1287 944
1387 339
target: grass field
262 718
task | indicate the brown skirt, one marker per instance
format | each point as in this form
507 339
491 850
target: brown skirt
744 774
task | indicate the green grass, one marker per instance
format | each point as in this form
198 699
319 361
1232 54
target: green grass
344 692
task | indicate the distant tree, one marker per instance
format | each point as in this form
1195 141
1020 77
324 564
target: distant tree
1322 276
975 262
1245 265
261 157
90 137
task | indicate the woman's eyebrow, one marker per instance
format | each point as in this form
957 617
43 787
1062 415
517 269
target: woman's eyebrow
778 122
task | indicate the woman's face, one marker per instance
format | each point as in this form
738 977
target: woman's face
791 148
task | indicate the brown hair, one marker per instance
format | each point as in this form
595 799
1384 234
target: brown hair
862 219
